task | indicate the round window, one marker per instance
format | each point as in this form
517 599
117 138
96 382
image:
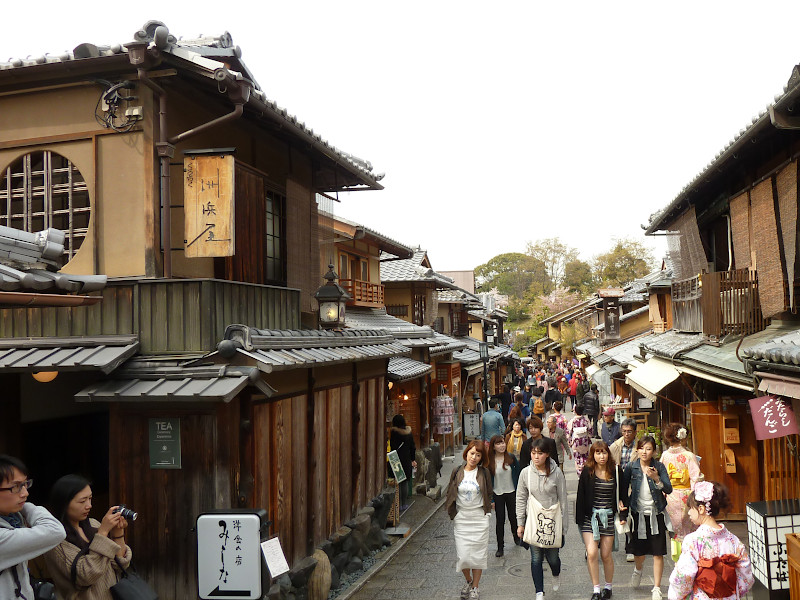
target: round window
42 190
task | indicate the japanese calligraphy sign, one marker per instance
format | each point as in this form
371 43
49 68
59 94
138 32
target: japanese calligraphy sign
229 555
772 417
208 206
611 318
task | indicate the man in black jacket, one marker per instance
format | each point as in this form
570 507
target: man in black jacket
535 427
591 407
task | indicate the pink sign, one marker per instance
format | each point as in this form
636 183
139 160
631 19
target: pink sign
772 417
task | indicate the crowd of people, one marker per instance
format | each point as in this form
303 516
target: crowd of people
85 558
655 506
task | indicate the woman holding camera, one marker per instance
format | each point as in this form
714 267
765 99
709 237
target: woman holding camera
89 561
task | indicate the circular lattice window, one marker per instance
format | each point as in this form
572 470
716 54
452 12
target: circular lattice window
43 190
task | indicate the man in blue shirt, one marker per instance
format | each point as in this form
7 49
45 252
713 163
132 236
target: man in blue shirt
492 422
610 429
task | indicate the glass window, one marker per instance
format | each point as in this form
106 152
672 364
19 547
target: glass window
276 237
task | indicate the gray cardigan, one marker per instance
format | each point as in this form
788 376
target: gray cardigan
547 489
17 546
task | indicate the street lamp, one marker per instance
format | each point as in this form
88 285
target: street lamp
332 298
483 348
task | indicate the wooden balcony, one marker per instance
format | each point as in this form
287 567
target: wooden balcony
364 293
168 315
718 303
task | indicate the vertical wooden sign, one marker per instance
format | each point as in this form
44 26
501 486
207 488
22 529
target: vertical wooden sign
208 206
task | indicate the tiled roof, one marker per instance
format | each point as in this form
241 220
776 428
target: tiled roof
458 296
382 242
408 334
303 348
403 369
672 343
411 269
446 344
746 134
471 354
75 353
140 380
211 55
783 349
626 352
539 341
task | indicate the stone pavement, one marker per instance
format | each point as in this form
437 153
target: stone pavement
422 566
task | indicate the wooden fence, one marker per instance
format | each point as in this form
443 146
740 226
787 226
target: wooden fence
782 468
718 303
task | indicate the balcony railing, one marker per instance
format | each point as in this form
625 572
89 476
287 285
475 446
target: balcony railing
364 293
718 303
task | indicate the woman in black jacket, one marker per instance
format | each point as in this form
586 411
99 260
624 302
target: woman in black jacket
401 440
595 511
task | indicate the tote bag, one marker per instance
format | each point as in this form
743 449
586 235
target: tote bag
543 525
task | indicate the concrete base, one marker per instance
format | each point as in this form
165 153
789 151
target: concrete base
401 530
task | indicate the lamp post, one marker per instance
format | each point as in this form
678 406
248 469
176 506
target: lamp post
483 347
332 299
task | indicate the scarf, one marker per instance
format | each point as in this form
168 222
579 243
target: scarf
515 441
74 538
14 519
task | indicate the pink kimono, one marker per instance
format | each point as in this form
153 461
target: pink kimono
706 543
580 444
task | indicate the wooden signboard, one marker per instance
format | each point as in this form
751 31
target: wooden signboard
208 205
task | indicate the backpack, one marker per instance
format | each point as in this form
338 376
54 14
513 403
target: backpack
538 406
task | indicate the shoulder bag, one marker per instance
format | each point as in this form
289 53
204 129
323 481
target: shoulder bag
131 587
542 525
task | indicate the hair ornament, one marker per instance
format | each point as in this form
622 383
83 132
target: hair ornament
703 492
681 435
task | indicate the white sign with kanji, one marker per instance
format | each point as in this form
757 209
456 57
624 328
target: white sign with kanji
229 556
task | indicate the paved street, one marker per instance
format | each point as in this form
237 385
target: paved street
424 568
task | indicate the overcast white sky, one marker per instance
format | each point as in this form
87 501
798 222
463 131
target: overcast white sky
495 123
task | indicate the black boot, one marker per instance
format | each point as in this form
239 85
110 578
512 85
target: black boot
499 552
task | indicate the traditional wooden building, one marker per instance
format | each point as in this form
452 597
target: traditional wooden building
171 172
733 239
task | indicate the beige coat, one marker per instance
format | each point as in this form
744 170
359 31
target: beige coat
616 450
97 571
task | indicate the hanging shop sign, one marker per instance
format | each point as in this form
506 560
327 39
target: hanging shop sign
611 318
165 443
208 196
772 418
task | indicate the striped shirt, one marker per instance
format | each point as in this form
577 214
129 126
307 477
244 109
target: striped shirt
604 493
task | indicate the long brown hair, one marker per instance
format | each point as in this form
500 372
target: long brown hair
507 458
591 464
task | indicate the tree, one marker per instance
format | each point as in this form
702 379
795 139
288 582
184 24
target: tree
578 277
511 273
554 255
627 260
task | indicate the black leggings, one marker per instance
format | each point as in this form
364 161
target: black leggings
503 502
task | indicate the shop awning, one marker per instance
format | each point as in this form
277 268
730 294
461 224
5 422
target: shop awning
75 353
714 378
780 386
652 377
615 369
591 370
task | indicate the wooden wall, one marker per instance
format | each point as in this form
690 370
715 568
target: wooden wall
310 461
169 315
168 501
318 460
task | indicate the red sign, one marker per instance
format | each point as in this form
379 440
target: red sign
772 418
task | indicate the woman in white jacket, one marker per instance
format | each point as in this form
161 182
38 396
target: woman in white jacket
543 481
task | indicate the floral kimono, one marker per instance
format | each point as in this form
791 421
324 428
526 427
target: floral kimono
683 470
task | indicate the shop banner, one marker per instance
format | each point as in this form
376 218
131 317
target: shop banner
772 417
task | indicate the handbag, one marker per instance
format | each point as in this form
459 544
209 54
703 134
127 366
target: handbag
543 525
131 587
623 526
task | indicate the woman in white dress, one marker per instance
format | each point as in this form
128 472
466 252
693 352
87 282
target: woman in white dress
469 504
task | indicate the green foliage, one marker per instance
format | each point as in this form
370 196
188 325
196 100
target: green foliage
627 260
511 273
578 277
554 255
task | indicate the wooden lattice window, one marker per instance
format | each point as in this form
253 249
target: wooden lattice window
44 189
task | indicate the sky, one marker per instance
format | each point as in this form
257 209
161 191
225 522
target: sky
496 124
